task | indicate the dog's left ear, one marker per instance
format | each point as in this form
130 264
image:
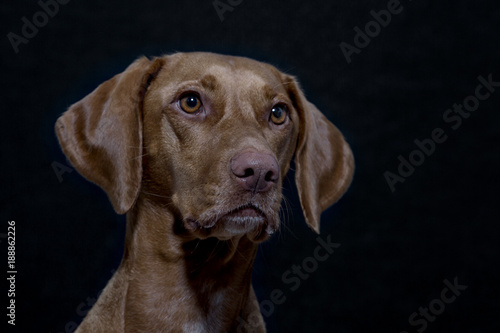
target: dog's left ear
323 160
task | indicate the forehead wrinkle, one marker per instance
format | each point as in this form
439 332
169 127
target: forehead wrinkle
258 95
251 93
209 82
269 93
237 77
242 87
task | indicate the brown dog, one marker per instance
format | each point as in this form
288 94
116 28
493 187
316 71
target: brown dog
194 148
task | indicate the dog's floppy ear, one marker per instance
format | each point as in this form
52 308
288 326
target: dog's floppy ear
102 134
323 160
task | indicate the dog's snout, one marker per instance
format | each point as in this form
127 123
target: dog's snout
255 171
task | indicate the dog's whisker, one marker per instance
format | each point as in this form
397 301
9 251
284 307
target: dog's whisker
155 194
140 156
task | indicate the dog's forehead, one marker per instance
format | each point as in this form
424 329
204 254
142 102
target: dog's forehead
235 72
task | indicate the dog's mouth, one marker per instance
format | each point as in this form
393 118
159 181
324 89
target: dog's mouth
244 212
246 219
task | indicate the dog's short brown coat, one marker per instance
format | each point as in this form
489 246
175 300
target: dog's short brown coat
195 213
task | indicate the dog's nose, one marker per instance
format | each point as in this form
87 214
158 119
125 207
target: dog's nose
255 171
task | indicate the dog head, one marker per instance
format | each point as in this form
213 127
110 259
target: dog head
209 137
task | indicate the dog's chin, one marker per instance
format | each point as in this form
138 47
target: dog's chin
247 221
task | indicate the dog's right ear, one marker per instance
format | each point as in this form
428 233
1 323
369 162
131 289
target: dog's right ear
101 135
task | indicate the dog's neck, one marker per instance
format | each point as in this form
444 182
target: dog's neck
205 282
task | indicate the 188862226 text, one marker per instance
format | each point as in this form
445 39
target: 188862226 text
11 272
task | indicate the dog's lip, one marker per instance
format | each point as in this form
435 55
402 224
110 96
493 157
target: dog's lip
246 211
240 213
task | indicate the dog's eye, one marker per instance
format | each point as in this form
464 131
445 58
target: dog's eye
279 114
190 103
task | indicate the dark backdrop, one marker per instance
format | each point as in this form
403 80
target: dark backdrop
398 249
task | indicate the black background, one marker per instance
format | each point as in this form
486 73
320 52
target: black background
396 247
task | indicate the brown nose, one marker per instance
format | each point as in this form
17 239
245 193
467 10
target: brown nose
255 171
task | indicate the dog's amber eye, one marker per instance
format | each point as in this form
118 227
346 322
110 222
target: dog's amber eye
190 103
279 113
